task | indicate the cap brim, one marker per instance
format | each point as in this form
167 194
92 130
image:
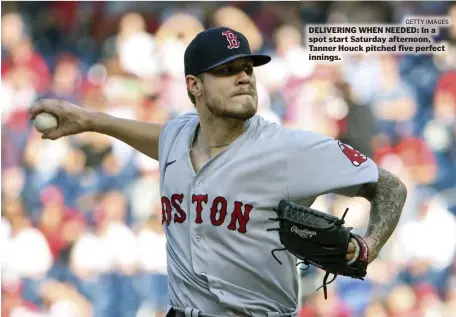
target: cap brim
257 59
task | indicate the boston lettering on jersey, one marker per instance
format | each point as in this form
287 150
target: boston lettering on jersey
236 220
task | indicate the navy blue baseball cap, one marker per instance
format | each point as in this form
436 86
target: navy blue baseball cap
216 46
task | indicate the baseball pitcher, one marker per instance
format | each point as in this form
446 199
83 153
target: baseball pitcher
236 189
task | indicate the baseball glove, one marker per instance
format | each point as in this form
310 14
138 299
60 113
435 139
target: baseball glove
321 240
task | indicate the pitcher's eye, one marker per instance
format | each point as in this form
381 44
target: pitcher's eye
231 70
223 71
248 69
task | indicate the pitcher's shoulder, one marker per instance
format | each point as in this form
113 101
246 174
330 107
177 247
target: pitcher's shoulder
270 130
182 119
177 123
262 127
269 133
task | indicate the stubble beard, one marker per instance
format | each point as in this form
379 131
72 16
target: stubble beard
248 110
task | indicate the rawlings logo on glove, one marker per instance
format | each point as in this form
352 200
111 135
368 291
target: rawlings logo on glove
321 240
304 233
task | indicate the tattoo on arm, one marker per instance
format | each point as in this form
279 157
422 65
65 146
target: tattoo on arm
387 199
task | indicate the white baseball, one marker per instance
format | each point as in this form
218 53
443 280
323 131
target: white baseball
44 122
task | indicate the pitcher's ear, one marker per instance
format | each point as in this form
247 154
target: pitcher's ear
194 85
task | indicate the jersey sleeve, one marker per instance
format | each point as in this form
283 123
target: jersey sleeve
169 133
318 165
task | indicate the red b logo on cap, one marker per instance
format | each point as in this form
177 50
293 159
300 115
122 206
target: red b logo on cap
232 39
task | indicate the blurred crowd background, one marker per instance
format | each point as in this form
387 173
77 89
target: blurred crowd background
81 217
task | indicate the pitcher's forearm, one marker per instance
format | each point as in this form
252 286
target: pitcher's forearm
142 136
386 208
387 198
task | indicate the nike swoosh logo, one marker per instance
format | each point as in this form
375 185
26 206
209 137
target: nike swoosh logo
169 163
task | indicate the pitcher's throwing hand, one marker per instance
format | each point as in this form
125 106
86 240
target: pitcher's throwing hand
72 119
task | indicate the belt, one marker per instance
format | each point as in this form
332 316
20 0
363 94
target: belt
193 312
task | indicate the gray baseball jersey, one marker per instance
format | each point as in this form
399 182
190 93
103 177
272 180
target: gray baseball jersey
219 251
